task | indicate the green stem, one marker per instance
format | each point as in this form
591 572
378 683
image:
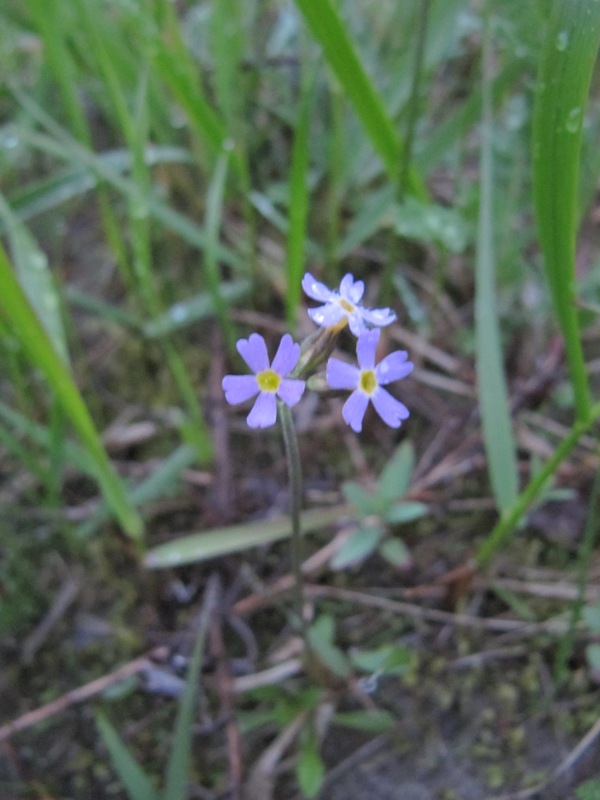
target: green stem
295 474
508 522
584 555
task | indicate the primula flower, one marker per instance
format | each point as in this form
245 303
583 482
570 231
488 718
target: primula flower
344 305
269 379
367 380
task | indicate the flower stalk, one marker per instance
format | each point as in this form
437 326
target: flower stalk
292 452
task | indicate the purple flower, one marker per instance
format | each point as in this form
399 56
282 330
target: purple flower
344 305
368 380
269 380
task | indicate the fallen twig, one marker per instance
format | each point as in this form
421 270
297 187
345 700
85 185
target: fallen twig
80 694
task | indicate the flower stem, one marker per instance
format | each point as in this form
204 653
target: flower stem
295 474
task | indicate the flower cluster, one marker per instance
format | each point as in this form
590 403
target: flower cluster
281 378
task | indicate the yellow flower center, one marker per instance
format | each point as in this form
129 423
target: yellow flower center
347 306
268 380
368 381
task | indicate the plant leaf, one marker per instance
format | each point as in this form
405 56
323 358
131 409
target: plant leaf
568 58
405 512
395 552
365 502
16 308
372 720
491 385
390 659
137 784
358 546
320 636
328 29
235 538
310 769
395 476
179 758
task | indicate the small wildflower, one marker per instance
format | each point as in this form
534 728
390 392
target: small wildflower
344 306
367 381
269 379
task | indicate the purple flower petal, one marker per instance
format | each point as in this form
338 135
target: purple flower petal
350 289
238 388
354 410
393 367
327 315
356 323
290 390
286 357
254 352
378 316
391 411
341 375
366 347
316 290
264 411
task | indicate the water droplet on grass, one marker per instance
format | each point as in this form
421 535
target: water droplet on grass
10 140
179 313
573 121
562 40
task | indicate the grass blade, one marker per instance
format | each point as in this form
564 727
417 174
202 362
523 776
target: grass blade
179 759
36 279
235 538
298 203
159 484
328 29
134 779
568 58
63 146
213 220
17 310
493 394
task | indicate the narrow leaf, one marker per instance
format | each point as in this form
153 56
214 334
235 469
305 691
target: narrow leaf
492 391
310 769
298 203
31 265
395 476
568 58
328 29
179 760
357 546
134 779
373 720
236 538
16 309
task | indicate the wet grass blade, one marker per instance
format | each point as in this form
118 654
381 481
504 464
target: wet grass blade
51 192
31 265
493 394
199 307
134 779
176 68
25 324
328 29
61 145
568 57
